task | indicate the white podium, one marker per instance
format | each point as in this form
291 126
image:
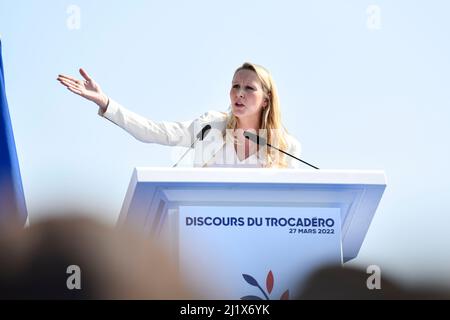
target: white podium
253 233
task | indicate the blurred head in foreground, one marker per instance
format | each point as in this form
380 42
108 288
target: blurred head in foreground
47 259
339 283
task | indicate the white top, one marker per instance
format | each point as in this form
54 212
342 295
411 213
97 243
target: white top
227 157
213 151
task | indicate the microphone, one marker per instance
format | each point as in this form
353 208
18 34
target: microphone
261 141
200 136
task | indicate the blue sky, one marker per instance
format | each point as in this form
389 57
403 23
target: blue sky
357 97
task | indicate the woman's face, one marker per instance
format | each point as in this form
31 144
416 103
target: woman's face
246 94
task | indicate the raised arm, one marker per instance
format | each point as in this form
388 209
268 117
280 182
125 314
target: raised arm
143 129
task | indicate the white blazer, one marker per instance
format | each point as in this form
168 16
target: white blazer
214 150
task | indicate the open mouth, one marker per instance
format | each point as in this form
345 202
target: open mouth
239 105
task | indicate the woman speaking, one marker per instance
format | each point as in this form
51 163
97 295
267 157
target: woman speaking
220 139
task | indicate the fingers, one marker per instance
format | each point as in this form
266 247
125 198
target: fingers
69 80
64 77
66 83
85 75
72 86
75 90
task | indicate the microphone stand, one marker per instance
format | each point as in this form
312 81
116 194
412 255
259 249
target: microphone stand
261 141
293 156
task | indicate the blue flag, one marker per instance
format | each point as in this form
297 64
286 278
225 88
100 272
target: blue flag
12 199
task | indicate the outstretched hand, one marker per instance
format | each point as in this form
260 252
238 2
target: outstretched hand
86 88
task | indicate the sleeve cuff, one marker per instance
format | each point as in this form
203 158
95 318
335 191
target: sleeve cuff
110 111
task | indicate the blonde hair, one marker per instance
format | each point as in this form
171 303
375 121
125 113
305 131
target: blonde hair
270 117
